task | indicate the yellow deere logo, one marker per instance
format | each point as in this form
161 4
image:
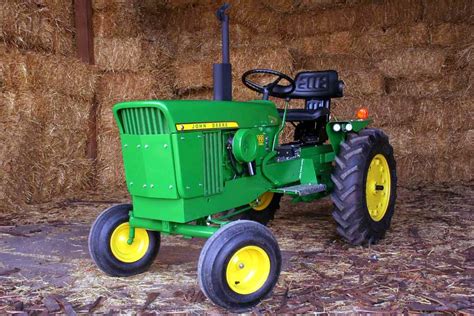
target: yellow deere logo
206 125
261 139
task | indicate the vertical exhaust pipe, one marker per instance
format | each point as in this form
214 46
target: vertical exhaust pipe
222 73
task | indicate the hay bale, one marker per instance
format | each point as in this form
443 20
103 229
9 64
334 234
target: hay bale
40 72
207 44
375 40
46 137
192 75
420 162
444 115
38 25
110 170
449 11
118 54
448 34
176 4
412 63
343 63
101 5
188 19
446 85
122 22
388 13
130 54
363 83
311 23
246 58
197 94
357 15
255 15
295 6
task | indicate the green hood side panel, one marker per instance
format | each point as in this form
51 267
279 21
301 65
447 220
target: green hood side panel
183 175
246 114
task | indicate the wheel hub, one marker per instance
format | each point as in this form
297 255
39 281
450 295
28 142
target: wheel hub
248 269
377 190
129 252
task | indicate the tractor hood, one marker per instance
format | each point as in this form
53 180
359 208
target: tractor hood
170 116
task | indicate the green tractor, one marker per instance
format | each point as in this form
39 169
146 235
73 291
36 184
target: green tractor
215 169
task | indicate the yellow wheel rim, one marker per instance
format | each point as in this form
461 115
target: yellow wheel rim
125 252
248 269
377 187
262 202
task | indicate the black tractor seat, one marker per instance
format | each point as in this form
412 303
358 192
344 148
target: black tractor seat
316 88
301 115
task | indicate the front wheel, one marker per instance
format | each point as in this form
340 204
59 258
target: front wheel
239 265
263 209
365 185
110 250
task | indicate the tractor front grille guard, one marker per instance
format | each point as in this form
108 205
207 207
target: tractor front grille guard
143 121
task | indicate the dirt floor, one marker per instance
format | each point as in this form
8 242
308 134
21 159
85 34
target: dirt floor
425 264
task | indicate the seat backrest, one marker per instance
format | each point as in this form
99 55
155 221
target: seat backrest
317 85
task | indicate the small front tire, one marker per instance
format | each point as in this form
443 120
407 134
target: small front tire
108 245
239 265
264 208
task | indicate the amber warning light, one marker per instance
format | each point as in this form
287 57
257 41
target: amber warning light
363 114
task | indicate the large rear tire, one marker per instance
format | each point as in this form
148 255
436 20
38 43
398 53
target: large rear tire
365 184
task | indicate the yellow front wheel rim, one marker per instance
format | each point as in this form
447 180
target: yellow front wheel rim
377 188
263 201
125 252
248 269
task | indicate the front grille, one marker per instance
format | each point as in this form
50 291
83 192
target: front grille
213 179
143 121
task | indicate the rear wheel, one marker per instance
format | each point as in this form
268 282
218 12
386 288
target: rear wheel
239 265
263 209
365 187
110 250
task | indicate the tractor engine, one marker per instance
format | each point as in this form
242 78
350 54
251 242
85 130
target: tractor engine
177 153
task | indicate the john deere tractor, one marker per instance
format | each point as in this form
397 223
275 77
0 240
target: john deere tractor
215 169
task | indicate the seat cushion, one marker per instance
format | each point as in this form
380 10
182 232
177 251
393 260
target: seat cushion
300 115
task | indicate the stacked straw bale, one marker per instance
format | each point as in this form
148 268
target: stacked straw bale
44 111
409 61
46 25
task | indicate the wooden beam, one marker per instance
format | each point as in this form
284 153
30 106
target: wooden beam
84 35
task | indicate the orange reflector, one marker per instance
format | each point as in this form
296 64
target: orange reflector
363 114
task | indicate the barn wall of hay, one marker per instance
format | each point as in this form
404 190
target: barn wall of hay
408 61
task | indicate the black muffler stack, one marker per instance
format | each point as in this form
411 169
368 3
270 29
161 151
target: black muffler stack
222 73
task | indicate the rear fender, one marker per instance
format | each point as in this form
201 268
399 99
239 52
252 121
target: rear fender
336 137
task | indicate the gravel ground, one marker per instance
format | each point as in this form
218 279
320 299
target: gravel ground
425 263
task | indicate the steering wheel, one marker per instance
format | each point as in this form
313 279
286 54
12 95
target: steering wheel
273 88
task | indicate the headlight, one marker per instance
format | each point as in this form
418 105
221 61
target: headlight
349 127
336 127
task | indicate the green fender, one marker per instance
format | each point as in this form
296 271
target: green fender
336 137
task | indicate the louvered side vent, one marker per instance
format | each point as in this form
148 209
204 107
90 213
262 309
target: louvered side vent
143 121
213 179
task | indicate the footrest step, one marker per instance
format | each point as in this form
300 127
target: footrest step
302 189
